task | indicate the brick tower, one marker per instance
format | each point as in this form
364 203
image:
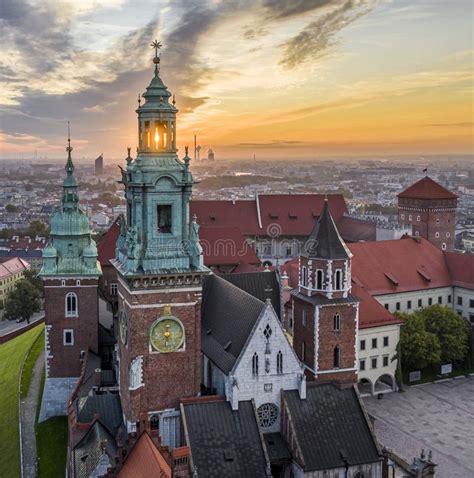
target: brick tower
325 314
431 211
70 275
160 271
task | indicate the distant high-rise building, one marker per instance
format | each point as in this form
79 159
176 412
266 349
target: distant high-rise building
99 165
431 211
210 155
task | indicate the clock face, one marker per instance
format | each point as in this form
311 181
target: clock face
123 327
166 334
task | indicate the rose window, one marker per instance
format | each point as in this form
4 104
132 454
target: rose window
267 414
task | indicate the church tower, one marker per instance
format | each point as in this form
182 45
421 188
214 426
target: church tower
325 314
160 271
70 275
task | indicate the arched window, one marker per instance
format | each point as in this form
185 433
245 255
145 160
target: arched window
304 276
338 279
337 322
71 305
303 351
255 364
319 279
337 356
279 362
443 246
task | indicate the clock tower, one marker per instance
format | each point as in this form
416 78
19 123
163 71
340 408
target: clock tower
160 272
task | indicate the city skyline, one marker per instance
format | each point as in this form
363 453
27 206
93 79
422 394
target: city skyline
274 78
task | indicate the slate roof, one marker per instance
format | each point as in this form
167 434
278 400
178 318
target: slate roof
325 241
427 188
259 284
223 442
89 453
277 448
320 299
107 406
228 316
330 424
145 461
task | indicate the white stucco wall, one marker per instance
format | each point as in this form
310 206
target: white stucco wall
266 386
380 351
466 296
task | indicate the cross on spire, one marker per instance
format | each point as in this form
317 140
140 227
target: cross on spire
157 46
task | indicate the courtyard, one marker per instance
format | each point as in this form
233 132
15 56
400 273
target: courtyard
433 416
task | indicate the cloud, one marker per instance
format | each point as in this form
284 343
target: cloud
275 143
319 36
279 9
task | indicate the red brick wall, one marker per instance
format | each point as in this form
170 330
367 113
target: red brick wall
109 276
430 211
167 376
65 360
303 333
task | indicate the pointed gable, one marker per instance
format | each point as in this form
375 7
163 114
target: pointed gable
325 241
427 188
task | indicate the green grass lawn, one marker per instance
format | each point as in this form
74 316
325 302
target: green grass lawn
51 443
30 361
12 354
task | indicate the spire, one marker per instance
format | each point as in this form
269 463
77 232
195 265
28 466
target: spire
325 241
70 198
157 46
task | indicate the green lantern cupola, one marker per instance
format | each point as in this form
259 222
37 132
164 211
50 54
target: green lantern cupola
158 234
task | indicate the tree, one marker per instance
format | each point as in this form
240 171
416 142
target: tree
34 280
37 228
22 302
11 208
419 348
451 330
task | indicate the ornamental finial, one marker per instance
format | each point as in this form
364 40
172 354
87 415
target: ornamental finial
69 147
157 46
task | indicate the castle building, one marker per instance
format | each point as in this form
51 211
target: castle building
160 274
430 209
325 314
70 275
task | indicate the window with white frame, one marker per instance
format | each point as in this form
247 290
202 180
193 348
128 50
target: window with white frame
304 276
418 218
71 305
68 337
338 279
443 246
136 373
319 279
337 322
113 289
436 234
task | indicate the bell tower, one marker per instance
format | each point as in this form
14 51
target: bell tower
325 314
160 271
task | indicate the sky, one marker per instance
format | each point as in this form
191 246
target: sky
275 78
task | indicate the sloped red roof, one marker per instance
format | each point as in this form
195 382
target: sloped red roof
12 265
226 245
461 269
144 461
427 188
371 312
106 245
26 242
387 267
269 214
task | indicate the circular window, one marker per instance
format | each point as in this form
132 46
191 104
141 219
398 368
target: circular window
267 414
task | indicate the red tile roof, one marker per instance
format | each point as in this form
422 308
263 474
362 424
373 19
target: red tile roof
226 245
294 214
106 245
12 266
144 461
371 312
387 267
26 242
461 269
426 188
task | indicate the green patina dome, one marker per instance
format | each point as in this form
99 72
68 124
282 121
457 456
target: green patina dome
49 251
69 223
90 250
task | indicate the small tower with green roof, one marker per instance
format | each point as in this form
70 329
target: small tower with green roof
70 275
